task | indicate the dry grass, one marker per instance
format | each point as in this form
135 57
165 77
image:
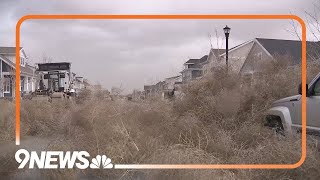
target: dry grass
194 129
7 110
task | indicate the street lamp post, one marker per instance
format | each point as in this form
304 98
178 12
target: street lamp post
226 33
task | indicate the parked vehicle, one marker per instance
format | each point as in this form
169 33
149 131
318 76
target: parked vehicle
56 81
285 114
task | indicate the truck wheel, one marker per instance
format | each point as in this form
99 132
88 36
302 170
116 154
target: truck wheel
275 123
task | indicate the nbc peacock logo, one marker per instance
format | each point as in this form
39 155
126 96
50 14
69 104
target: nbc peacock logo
99 161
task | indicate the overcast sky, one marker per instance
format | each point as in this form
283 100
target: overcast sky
137 52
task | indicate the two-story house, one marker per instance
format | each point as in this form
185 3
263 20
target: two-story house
28 76
213 56
78 84
169 83
196 68
192 69
248 57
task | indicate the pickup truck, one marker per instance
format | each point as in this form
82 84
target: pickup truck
285 114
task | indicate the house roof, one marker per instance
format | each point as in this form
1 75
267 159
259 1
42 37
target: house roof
147 87
288 47
236 47
54 66
159 83
173 77
8 50
86 82
27 70
204 58
7 61
196 61
218 52
192 61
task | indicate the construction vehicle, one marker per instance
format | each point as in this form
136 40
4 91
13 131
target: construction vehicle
56 81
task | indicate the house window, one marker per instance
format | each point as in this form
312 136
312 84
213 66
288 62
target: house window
6 85
316 89
22 61
260 56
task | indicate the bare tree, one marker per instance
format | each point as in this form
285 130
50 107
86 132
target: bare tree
46 58
313 25
217 39
312 19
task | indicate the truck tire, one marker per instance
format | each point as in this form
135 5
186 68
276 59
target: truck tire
275 123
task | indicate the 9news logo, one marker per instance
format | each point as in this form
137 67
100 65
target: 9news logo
61 160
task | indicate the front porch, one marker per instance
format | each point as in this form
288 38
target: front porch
27 85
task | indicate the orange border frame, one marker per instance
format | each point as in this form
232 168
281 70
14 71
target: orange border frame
179 166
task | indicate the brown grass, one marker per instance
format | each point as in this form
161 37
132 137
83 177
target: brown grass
199 128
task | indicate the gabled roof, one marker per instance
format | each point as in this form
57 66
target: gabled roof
288 47
27 70
282 47
7 61
236 47
204 58
8 50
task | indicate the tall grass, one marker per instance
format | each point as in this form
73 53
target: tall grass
219 120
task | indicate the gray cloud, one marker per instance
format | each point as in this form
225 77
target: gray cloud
136 52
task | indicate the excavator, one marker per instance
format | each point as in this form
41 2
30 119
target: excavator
56 81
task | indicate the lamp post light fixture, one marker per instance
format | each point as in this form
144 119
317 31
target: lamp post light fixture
226 33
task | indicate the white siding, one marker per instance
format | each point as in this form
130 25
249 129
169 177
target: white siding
12 58
237 57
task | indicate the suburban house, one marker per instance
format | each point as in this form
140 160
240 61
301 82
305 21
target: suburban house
86 83
154 90
137 95
149 90
248 57
196 68
213 56
159 87
192 69
170 86
78 84
245 59
28 77
169 83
